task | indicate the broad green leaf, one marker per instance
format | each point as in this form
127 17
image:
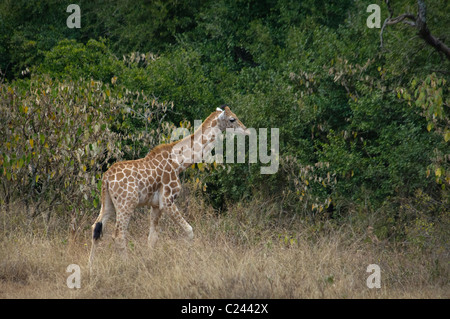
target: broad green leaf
447 136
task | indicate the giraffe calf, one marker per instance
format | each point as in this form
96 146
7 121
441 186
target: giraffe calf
153 181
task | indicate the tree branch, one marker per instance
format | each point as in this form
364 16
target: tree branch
425 33
420 23
400 18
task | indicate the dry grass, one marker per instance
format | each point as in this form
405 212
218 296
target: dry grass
250 252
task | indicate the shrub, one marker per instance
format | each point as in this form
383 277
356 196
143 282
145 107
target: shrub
77 60
60 135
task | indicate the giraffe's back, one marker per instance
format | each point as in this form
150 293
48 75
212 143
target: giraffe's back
137 182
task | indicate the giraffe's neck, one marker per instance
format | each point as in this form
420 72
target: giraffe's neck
192 148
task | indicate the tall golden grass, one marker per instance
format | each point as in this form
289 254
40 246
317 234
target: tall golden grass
251 251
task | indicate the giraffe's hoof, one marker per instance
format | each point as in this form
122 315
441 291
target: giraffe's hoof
152 242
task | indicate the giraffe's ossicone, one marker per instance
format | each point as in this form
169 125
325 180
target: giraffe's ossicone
153 180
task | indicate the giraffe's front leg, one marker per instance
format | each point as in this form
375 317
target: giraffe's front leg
171 209
175 214
167 198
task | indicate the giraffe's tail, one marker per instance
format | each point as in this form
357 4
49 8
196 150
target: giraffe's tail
106 209
97 230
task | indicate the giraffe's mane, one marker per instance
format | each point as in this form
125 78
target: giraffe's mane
168 146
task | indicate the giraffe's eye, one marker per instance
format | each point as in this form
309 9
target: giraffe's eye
232 119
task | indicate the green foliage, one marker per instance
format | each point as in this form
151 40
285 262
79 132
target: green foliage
432 95
76 60
178 77
27 30
137 25
361 127
56 140
60 135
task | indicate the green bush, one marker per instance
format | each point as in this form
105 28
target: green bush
59 136
76 60
57 139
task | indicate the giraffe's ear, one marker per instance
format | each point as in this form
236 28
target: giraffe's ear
222 108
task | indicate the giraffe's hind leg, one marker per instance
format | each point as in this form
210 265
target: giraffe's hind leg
120 234
105 213
154 228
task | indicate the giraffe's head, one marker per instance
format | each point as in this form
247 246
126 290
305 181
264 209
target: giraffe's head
227 119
